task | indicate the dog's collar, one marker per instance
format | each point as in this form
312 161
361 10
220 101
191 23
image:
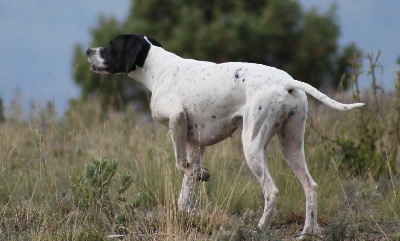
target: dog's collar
145 37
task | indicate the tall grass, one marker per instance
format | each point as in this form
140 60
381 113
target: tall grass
42 157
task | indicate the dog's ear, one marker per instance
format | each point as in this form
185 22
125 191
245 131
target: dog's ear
136 49
132 52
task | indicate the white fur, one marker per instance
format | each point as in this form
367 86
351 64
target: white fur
214 99
203 103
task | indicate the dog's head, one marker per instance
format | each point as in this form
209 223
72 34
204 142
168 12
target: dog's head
123 54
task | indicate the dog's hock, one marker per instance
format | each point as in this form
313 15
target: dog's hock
203 175
195 171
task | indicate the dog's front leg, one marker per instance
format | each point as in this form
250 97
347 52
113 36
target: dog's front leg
178 126
194 155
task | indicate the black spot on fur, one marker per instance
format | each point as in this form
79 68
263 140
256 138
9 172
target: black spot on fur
290 91
312 214
259 108
214 117
237 75
276 125
259 172
190 131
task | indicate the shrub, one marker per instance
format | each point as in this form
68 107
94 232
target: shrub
91 190
341 229
363 150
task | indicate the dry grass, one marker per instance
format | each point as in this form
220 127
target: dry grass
41 158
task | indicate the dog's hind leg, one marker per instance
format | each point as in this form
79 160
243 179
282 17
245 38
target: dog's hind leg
194 155
260 123
291 138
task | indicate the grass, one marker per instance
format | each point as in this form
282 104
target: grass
42 158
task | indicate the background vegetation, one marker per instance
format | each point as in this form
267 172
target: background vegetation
56 184
86 177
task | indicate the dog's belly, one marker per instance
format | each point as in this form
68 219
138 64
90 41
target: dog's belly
204 132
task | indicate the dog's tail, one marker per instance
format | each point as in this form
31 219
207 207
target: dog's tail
320 96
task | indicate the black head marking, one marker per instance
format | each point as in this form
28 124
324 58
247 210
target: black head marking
126 52
135 54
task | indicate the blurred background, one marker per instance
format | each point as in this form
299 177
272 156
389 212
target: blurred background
58 120
42 45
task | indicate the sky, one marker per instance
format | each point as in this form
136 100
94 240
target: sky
37 39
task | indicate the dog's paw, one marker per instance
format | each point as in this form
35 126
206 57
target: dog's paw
202 175
307 236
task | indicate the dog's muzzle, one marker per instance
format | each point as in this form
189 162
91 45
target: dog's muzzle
96 62
90 52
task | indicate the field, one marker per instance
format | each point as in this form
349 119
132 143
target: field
58 181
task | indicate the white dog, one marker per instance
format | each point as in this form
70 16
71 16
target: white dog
203 103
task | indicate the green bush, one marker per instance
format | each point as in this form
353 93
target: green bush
91 190
362 150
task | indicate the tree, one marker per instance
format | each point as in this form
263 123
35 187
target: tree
277 33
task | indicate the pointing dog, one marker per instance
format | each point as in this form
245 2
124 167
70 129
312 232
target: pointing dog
203 103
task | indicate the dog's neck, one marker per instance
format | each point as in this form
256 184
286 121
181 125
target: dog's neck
149 75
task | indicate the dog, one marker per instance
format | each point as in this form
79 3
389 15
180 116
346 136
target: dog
203 103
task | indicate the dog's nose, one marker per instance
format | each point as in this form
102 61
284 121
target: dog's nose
89 51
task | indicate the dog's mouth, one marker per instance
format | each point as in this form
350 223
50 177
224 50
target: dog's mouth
96 62
99 70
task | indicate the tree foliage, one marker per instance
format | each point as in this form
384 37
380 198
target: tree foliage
277 33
